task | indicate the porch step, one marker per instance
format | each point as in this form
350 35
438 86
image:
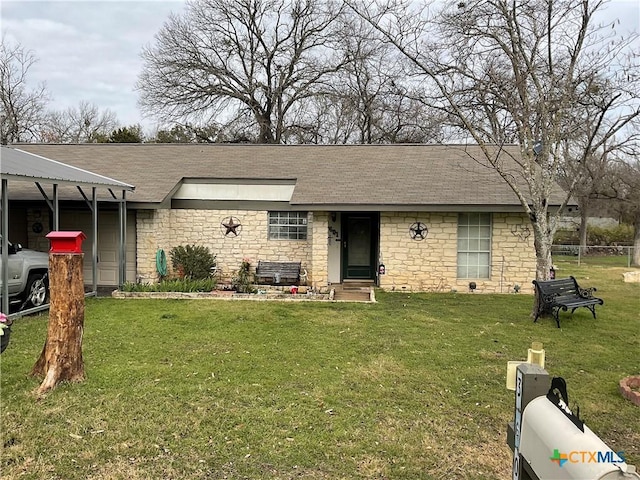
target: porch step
353 292
355 284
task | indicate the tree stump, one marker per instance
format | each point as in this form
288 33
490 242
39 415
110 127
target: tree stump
61 357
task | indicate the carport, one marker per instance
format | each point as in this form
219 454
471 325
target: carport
19 166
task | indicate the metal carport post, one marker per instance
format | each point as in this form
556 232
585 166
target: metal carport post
22 166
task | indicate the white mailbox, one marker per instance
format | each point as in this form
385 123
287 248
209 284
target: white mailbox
556 447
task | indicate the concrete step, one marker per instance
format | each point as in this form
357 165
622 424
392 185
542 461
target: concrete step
351 284
352 294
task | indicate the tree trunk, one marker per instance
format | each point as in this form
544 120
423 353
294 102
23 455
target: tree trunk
542 244
543 255
61 357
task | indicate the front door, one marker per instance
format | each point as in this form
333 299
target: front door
359 246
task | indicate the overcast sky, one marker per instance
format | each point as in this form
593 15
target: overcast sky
87 50
90 50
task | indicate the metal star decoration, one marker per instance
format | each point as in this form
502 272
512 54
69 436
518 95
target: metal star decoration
231 225
418 231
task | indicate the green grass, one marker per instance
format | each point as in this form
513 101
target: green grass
412 387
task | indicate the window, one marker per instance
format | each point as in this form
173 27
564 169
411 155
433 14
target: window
474 245
287 225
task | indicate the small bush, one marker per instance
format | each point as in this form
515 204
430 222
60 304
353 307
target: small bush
242 280
618 235
192 261
565 236
176 285
598 236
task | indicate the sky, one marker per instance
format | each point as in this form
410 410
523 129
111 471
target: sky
90 50
87 50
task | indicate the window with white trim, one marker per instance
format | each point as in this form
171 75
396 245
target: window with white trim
474 245
287 225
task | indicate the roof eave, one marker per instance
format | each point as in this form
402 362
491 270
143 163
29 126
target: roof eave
342 207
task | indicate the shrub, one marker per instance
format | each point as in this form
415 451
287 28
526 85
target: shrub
618 235
193 261
599 236
242 279
566 236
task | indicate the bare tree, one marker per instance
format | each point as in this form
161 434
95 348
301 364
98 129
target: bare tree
370 101
599 173
621 187
21 108
386 108
222 57
515 71
85 123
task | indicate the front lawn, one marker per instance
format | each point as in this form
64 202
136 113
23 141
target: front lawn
412 387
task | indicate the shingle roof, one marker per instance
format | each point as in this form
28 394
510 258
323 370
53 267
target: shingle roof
326 175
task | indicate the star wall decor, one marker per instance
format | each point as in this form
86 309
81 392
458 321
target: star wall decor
418 231
231 226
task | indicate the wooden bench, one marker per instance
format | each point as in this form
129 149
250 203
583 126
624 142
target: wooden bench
564 294
278 273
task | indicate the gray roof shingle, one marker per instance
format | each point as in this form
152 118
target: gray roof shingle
392 176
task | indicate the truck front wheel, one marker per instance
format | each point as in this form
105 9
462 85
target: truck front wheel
37 291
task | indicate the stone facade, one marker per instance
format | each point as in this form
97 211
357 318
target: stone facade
431 264
428 265
165 229
318 275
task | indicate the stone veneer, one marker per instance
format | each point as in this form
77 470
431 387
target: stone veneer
319 273
431 264
165 229
428 265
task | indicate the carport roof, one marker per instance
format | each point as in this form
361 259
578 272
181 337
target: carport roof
20 165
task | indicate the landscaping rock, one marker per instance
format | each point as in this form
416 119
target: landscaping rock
630 389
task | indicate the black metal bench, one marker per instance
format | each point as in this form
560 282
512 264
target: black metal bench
564 294
278 273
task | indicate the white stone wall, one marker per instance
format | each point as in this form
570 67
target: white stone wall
513 254
428 265
166 229
431 264
319 272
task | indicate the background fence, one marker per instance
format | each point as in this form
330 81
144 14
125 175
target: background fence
611 255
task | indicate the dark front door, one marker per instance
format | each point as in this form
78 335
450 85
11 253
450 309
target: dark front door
359 246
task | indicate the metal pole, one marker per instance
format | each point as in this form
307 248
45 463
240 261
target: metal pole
56 209
532 381
5 246
94 246
579 254
122 274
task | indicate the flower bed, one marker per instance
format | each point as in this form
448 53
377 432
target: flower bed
261 292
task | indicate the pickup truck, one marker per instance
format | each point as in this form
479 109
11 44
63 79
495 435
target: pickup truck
28 277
